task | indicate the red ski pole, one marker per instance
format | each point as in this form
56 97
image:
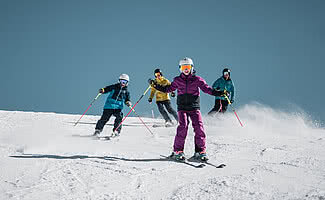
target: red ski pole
141 120
133 107
88 108
233 109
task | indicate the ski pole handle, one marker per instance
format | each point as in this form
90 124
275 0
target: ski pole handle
97 96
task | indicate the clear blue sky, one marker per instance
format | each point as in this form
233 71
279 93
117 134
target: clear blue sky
55 55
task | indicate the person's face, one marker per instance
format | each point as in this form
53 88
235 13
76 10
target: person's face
123 82
226 75
158 75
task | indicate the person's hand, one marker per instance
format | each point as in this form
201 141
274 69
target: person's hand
231 101
101 90
217 93
151 81
150 100
128 103
225 93
172 94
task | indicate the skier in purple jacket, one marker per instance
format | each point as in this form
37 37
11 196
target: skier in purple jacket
187 85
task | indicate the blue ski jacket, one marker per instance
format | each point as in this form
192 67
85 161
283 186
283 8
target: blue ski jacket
117 96
221 84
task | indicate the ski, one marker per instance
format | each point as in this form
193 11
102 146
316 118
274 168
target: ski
84 136
213 165
96 137
184 162
106 137
193 159
158 125
162 125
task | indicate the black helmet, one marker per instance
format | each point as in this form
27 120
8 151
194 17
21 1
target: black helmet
226 70
157 71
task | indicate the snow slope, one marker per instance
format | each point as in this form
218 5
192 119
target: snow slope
277 155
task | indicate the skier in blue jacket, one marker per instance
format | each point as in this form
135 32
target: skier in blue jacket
221 84
118 95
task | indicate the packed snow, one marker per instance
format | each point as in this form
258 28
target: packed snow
276 155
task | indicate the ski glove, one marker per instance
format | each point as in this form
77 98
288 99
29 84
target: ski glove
216 92
172 94
223 93
152 82
128 103
150 100
101 90
231 101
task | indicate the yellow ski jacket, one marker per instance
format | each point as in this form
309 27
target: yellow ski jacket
160 96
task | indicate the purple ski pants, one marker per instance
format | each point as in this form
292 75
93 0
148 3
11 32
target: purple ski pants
199 138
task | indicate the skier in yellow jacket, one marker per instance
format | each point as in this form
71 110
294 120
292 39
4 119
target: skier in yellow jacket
162 99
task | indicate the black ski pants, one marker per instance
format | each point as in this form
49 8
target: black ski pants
107 113
169 108
219 106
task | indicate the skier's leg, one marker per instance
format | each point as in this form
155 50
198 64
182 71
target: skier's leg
163 111
181 131
197 124
224 104
169 108
107 113
215 108
118 114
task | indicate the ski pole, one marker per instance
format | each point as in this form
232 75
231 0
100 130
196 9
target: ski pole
153 115
233 109
133 107
141 120
88 108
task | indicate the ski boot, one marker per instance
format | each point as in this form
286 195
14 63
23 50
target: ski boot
178 155
169 124
97 132
201 156
115 134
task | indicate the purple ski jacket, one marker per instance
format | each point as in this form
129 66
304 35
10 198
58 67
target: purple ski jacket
188 93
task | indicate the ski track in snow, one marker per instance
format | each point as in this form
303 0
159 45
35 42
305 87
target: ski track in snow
275 156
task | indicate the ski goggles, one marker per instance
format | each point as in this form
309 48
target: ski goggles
226 73
188 67
157 74
124 82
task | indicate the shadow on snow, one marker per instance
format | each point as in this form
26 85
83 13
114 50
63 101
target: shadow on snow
110 158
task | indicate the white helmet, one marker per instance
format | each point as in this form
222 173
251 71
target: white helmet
186 61
124 77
